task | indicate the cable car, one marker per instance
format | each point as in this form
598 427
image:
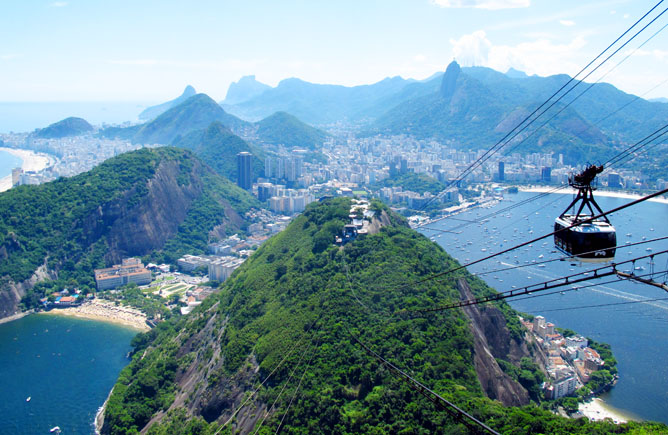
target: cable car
593 241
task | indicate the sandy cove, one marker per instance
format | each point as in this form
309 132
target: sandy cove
613 194
598 410
106 312
32 161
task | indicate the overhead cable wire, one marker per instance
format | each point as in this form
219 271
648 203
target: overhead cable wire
578 288
250 396
588 275
273 405
579 307
565 258
280 424
519 127
656 134
594 83
456 412
584 221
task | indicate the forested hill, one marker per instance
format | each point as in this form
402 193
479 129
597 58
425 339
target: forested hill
161 201
195 113
275 348
67 127
283 128
219 147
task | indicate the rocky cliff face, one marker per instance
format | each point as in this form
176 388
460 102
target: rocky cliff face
12 292
492 340
133 222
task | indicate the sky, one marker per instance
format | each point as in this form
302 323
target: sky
149 50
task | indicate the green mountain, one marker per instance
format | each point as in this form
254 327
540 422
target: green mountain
67 127
243 90
161 202
195 113
155 111
474 108
419 183
219 147
278 348
283 128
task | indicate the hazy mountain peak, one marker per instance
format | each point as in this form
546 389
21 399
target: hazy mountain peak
516 74
450 79
155 111
245 89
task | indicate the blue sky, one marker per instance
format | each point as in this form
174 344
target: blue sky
149 50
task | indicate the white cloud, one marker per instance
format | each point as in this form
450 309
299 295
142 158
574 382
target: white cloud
8 56
540 56
139 62
626 16
420 58
58 4
656 54
567 23
483 4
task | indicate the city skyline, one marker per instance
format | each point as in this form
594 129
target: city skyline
149 51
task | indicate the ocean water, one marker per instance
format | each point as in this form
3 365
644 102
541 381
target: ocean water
26 117
8 162
66 365
637 332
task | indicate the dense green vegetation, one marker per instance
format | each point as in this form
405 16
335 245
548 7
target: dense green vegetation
414 182
218 147
283 128
195 113
70 223
67 127
291 312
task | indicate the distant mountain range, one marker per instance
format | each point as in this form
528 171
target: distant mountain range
319 104
201 125
243 90
472 108
155 111
71 126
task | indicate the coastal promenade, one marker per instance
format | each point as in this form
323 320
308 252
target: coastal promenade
106 312
32 161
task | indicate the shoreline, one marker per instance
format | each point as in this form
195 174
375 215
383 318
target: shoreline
32 161
104 312
16 316
608 193
598 409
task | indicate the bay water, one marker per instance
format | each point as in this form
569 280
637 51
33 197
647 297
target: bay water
8 162
65 365
637 331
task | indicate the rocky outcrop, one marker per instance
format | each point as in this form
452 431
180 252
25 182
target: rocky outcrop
11 292
492 340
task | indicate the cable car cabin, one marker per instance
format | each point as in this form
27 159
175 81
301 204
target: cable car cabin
593 241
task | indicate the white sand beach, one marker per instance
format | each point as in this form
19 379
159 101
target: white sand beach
597 410
32 161
104 311
610 193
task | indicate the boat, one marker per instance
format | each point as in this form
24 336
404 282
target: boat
28 399
55 429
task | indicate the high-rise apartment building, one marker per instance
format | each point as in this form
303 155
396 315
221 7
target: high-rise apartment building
244 170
